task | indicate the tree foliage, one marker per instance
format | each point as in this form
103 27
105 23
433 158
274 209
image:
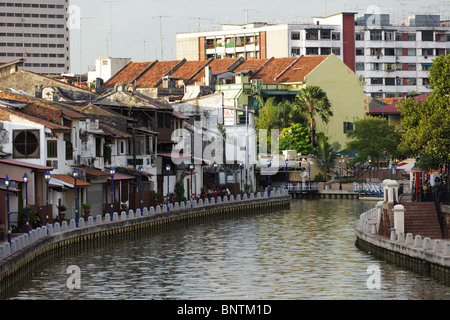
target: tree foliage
373 138
427 124
326 154
298 139
313 103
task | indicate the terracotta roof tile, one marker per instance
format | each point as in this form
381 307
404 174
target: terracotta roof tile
69 179
128 73
155 73
217 65
5 114
189 69
299 69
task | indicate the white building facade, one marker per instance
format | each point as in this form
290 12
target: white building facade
393 60
37 31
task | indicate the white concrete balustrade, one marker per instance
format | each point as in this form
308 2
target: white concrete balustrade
24 240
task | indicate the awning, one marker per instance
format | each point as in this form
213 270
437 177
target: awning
406 164
26 165
67 181
119 176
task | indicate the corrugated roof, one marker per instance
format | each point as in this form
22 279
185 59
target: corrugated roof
25 164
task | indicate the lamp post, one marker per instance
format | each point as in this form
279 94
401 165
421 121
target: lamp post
47 177
25 181
141 169
112 172
7 181
269 164
287 174
75 177
191 168
309 171
168 185
215 181
370 170
242 189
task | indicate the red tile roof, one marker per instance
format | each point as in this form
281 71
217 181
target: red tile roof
274 70
71 180
190 68
128 73
155 73
5 115
392 108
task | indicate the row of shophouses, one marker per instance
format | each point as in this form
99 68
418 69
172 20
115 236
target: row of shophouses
150 122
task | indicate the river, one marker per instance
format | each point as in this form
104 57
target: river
307 252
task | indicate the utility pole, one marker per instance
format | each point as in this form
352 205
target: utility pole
161 34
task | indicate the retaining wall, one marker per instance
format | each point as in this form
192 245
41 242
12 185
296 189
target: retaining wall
27 252
419 254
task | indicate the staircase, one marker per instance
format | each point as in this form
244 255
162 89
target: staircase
420 219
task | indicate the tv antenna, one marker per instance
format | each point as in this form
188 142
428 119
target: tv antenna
198 18
161 33
111 19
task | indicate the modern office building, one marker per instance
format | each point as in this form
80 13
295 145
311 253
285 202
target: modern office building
37 31
393 60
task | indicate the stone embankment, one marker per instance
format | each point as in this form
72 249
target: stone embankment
26 252
422 254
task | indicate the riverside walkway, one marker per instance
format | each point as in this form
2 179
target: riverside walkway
28 250
419 253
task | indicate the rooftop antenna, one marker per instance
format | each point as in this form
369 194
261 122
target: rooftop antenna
111 19
161 33
143 41
81 43
198 18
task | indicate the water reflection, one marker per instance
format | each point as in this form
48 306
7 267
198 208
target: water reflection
307 252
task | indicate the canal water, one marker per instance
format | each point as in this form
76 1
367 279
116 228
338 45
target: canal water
307 252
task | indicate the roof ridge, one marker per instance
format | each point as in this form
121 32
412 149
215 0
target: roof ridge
287 68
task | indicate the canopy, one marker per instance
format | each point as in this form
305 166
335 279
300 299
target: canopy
406 165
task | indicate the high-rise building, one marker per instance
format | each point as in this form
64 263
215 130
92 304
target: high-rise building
37 31
393 60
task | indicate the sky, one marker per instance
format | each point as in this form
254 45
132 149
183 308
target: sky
132 28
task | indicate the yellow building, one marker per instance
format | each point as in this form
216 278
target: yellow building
284 78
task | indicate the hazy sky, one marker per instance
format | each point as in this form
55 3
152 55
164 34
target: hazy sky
136 21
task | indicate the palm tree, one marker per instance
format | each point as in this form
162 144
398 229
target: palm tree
326 154
313 102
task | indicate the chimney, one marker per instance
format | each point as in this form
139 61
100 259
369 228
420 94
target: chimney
207 76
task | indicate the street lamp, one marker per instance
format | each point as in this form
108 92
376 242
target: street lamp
168 185
242 190
112 172
287 174
75 176
7 181
370 170
215 181
25 181
141 169
47 177
191 168
269 164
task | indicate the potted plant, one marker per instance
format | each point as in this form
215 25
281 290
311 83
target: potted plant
62 211
247 188
87 210
23 219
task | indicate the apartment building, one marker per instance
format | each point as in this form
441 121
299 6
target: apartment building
393 60
37 31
